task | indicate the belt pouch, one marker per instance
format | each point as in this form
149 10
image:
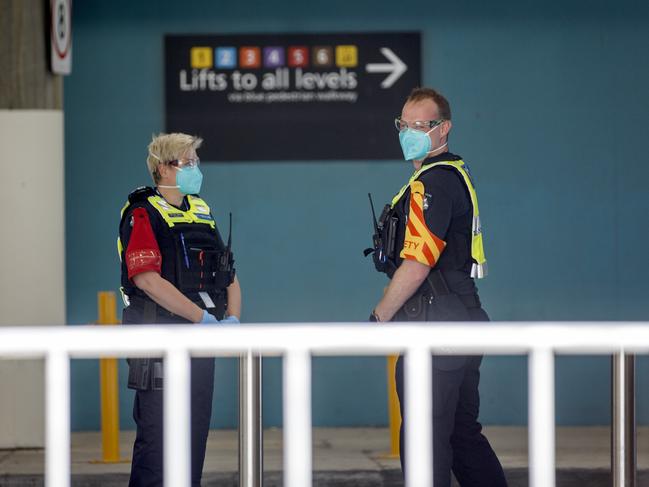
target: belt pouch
448 307
138 373
415 308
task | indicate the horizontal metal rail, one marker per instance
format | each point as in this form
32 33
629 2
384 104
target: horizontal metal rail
297 343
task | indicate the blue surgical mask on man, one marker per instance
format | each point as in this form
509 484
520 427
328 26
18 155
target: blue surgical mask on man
416 144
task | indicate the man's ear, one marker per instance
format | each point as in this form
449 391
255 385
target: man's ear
446 128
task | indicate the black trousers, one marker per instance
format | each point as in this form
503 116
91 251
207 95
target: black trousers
458 442
147 465
147 462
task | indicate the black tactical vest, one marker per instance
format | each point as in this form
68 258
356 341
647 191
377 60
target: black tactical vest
194 258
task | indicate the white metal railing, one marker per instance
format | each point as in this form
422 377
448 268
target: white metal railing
297 343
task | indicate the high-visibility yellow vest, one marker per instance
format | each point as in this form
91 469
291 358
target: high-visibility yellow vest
198 212
479 267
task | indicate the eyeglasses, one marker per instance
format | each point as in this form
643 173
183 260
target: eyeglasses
423 125
185 163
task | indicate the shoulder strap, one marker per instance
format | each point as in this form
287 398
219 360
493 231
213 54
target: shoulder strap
141 194
457 164
198 212
479 267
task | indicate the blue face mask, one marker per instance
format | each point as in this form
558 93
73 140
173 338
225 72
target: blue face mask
189 180
416 144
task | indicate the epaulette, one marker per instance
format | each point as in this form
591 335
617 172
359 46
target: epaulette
140 194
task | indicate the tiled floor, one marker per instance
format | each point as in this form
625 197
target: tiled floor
337 449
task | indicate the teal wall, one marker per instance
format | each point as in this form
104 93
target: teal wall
550 108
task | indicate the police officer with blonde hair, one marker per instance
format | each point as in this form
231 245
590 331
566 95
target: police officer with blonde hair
429 242
176 269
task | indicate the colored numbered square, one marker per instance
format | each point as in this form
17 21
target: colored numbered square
274 57
201 57
346 56
298 57
226 57
323 56
250 57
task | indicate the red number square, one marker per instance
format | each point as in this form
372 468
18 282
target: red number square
298 57
250 57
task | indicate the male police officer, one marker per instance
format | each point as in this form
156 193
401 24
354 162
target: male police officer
429 243
175 269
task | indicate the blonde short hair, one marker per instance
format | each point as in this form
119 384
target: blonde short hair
165 148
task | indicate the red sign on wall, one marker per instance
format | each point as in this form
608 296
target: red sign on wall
61 36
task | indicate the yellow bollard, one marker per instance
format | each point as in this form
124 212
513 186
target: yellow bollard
108 383
393 405
394 414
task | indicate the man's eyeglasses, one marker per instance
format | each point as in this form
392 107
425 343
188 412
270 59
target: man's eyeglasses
185 163
423 125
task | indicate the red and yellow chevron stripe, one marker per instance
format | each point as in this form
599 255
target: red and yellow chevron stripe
420 243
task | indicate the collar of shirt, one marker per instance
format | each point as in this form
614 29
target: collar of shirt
444 156
183 207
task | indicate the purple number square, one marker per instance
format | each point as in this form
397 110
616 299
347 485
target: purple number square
274 57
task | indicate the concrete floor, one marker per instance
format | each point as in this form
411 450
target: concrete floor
339 454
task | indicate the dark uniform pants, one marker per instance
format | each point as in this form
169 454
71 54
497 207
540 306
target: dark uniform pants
147 466
458 442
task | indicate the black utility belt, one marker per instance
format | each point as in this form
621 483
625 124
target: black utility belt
436 302
213 302
468 300
447 307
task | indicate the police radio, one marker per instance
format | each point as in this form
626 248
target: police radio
377 241
383 239
226 260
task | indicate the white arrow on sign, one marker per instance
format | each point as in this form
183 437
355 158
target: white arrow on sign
396 67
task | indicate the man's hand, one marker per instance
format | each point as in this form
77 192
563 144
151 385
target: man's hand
405 282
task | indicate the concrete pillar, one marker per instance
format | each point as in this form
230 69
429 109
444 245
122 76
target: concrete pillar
32 260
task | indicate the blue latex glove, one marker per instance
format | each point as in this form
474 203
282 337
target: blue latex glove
230 320
208 319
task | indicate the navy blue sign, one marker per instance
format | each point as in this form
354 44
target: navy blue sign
290 96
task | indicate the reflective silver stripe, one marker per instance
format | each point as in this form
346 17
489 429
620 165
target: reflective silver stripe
478 271
125 298
476 227
207 300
